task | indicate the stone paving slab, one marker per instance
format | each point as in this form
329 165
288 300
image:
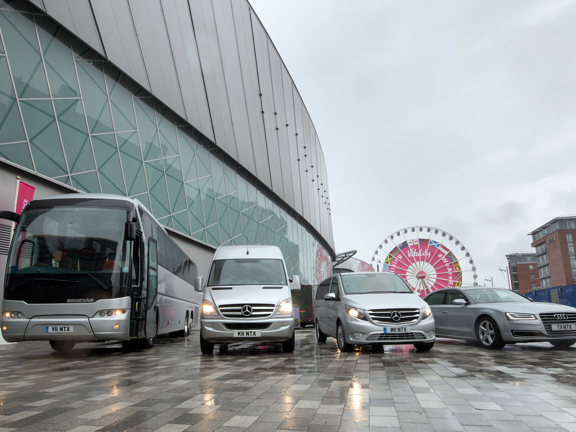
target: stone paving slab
173 388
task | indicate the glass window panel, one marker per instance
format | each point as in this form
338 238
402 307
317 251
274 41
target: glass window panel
44 139
166 221
212 236
167 129
208 201
233 201
11 128
15 5
181 223
108 163
252 194
157 187
238 241
147 128
58 58
188 153
1 44
65 180
120 98
200 235
88 182
223 219
234 220
246 234
254 226
242 193
75 137
203 160
218 175
132 162
95 97
145 200
24 54
175 184
83 51
230 179
194 205
19 153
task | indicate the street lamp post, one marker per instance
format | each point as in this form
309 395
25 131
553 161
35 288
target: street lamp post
491 280
507 276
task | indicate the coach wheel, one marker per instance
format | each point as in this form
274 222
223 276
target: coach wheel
62 347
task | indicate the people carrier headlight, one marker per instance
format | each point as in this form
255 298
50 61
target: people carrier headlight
208 308
285 307
427 311
520 316
356 313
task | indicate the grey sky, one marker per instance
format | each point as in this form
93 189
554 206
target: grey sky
459 115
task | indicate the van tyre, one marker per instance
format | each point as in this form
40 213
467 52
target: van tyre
288 346
62 347
205 346
488 334
320 337
341 339
423 346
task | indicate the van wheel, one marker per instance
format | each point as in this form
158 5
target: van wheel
341 339
423 346
62 347
288 346
205 346
320 337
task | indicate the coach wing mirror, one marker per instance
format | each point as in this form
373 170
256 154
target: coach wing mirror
330 297
130 231
199 284
295 283
14 217
459 302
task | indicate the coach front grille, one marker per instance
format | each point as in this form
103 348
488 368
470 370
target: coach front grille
239 310
385 316
558 318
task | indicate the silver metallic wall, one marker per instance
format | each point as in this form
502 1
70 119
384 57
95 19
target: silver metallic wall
213 64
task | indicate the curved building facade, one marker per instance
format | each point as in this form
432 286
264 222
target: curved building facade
185 105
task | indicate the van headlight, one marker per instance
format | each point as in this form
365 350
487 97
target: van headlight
427 311
208 308
357 313
285 307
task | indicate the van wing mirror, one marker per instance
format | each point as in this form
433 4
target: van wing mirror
14 217
199 284
330 297
295 283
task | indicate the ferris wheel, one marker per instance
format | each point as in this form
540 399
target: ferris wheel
427 258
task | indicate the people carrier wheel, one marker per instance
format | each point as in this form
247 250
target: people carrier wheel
423 346
488 334
320 337
341 339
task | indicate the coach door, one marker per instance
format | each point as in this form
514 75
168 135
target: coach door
152 289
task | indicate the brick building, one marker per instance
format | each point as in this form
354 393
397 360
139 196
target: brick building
554 243
523 269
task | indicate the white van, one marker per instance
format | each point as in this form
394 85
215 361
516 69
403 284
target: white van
247 298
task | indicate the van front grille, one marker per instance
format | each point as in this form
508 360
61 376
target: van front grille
394 316
250 310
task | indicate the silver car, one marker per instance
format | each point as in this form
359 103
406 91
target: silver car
497 316
371 309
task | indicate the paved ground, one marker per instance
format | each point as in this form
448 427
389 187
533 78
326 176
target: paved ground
454 387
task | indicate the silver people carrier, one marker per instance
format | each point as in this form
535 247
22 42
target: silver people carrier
372 309
247 298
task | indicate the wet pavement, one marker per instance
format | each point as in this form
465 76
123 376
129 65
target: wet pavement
454 387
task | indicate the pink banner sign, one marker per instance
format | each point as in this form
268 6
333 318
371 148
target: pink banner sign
25 195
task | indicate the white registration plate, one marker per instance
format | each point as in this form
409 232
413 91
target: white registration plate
392 330
247 333
563 327
59 329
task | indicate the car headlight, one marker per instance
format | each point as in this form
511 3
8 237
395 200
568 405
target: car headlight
427 311
208 308
520 316
356 313
285 307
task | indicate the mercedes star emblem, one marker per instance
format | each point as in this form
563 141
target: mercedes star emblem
396 316
246 310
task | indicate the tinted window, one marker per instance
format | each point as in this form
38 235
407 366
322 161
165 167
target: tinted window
454 295
247 272
322 290
355 283
334 287
435 299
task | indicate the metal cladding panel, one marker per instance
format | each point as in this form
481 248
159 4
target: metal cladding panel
157 53
211 61
114 20
39 4
281 120
76 16
300 139
187 61
290 128
247 56
233 77
264 75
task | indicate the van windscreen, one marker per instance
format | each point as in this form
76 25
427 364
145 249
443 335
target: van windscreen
247 272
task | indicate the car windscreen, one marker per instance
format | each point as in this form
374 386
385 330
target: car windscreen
494 296
247 272
375 283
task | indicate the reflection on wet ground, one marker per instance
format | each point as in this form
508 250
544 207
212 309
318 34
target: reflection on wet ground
454 387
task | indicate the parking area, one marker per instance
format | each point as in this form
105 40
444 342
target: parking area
454 387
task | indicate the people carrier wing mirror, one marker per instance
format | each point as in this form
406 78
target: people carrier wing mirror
14 217
295 283
330 297
199 284
459 302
